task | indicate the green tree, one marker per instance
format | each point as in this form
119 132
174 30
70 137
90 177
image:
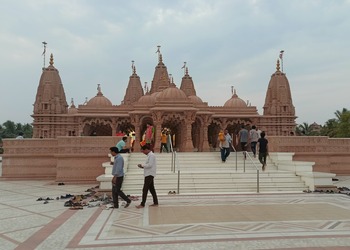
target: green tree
343 123
9 129
329 128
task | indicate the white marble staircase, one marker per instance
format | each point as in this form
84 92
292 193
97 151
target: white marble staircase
205 173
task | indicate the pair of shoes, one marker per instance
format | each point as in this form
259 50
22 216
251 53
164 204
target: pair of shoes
139 206
154 205
127 204
60 183
76 207
172 192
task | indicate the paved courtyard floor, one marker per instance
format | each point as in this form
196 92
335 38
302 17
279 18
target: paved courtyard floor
230 221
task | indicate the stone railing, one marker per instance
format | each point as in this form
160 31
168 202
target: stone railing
329 154
64 159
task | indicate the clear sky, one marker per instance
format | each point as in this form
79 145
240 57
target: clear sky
224 42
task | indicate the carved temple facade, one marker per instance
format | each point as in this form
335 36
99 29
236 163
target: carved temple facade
193 123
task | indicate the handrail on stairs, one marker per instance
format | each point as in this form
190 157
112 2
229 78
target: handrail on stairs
174 163
245 153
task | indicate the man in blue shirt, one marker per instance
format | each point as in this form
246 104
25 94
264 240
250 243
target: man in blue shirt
118 176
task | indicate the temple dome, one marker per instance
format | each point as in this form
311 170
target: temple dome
235 102
147 99
195 99
72 110
172 93
99 100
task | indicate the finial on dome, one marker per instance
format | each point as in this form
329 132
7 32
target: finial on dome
234 93
160 58
132 66
278 65
158 50
186 72
51 59
86 101
99 92
232 90
146 88
72 103
184 67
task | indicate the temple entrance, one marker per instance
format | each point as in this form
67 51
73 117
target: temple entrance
97 129
213 133
175 130
125 127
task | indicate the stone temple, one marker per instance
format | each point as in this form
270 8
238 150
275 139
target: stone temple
193 122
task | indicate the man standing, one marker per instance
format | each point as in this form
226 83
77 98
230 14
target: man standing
121 145
263 149
118 176
149 169
243 139
225 146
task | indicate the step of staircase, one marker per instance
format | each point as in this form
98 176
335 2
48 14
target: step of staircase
205 173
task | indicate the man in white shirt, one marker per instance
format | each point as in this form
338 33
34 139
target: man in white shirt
149 170
253 138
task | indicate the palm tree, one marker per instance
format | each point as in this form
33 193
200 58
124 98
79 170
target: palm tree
304 129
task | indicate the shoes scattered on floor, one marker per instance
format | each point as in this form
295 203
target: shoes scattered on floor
172 192
60 184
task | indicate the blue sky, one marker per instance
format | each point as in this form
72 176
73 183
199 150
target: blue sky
224 42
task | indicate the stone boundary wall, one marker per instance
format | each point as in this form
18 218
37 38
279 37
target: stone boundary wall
79 159
331 155
64 159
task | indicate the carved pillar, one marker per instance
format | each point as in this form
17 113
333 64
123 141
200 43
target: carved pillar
80 127
157 119
205 147
135 121
188 144
114 127
157 137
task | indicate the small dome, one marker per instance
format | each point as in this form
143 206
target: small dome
72 110
235 102
99 100
172 93
195 99
147 100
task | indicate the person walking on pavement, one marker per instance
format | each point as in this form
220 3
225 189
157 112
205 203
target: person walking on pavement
253 138
225 146
243 139
262 149
149 170
118 177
